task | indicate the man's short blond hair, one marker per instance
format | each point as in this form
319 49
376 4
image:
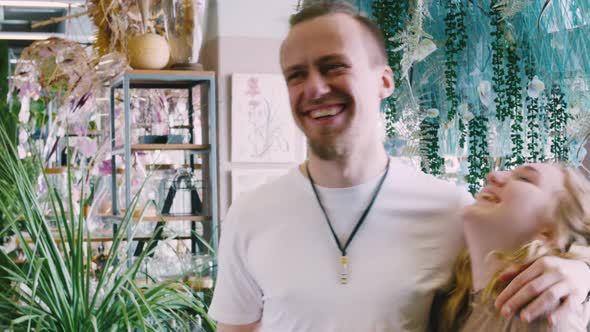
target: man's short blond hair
315 9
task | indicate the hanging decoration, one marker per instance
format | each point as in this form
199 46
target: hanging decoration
514 103
558 118
455 44
487 65
479 157
498 55
432 162
535 88
391 16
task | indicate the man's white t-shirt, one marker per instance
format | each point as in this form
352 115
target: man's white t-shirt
279 263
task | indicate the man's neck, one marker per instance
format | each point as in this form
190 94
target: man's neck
348 171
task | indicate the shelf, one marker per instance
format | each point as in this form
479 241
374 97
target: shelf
163 79
163 167
162 218
59 170
164 147
103 238
109 238
89 134
195 283
150 147
182 127
203 155
201 283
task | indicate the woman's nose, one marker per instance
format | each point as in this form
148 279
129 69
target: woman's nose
498 177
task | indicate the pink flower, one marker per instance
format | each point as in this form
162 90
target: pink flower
24 114
79 129
23 136
253 89
22 153
76 194
85 145
105 167
41 185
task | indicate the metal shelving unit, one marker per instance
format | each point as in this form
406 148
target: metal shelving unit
206 149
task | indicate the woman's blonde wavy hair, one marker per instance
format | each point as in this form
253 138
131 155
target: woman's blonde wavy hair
572 218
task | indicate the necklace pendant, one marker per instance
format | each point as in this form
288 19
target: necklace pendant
344 271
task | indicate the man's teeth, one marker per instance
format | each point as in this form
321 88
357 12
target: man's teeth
489 197
324 112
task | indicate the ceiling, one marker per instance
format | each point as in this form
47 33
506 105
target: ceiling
17 18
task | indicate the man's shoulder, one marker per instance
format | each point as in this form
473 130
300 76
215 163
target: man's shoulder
416 182
266 195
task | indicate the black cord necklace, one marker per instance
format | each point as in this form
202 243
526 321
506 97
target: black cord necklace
344 258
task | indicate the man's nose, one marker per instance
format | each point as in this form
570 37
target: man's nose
498 177
315 86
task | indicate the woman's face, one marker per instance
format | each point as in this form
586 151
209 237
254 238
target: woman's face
520 203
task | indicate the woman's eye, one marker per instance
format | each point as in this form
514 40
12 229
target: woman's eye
523 178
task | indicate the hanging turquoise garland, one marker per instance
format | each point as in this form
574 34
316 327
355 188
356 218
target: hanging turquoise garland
455 44
514 104
431 162
391 16
544 129
479 156
498 53
524 128
558 118
535 145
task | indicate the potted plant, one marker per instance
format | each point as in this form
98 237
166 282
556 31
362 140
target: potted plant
54 287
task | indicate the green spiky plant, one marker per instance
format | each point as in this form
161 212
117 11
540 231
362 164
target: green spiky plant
54 288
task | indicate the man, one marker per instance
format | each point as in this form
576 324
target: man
352 240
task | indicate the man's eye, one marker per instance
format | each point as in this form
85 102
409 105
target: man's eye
333 66
293 76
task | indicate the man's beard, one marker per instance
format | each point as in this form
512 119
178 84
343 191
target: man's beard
328 149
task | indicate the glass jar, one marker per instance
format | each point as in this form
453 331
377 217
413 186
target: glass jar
178 119
180 194
185 26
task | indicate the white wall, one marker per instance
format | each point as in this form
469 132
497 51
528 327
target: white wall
243 36
254 18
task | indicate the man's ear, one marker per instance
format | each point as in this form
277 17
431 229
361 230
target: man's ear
387 83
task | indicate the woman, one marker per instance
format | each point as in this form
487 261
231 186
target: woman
519 216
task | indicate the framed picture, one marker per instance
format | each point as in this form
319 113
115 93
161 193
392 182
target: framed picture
263 130
245 180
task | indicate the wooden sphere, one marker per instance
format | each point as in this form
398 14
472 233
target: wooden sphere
148 51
